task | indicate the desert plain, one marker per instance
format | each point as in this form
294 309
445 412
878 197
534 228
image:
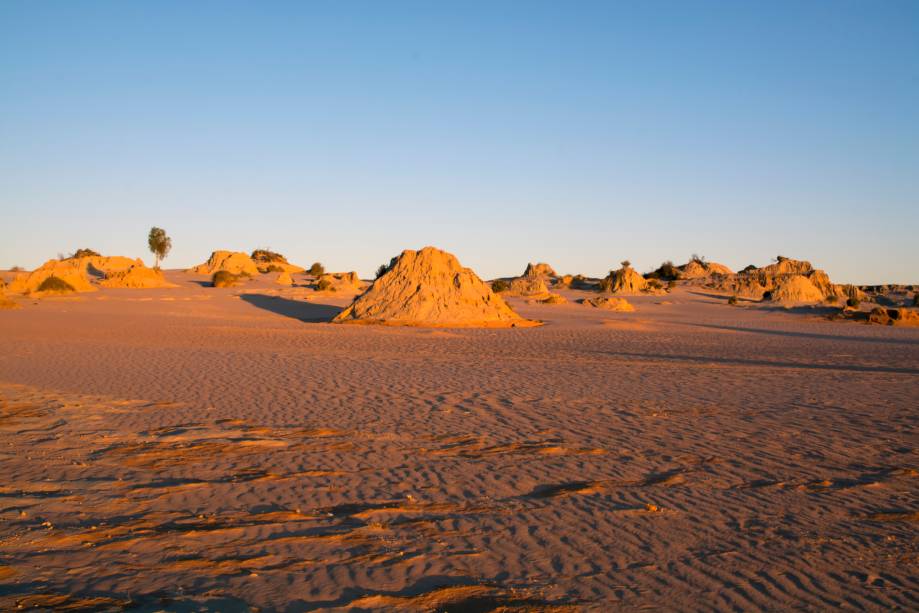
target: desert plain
228 449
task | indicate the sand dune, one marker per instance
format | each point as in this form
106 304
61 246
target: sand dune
194 448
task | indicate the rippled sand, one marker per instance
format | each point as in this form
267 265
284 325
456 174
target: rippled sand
224 450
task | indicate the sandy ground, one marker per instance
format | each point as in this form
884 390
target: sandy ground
219 449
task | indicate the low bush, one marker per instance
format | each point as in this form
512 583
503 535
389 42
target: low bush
500 285
324 284
274 268
55 284
317 269
732 300
84 253
654 284
224 278
852 302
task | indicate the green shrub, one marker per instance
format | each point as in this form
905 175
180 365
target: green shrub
317 269
55 284
324 284
274 268
852 302
732 300
832 298
266 255
500 285
224 278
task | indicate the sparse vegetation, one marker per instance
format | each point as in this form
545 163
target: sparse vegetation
225 278
748 268
832 298
852 302
606 283
324 285
654 284
84 253
385 268
916 299
55 285
732 300
626 263
500 285
699 259
665 272
159 244
266 255
780 258
317 269
16 269
274 268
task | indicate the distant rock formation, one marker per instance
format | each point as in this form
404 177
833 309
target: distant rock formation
235 262
137 276
430 288
540 270
698 269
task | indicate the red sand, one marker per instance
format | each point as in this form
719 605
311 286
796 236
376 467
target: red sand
199 447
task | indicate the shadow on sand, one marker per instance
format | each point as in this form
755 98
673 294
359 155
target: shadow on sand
295 309
708 360
814 335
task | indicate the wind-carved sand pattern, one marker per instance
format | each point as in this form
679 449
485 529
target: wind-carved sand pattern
234 457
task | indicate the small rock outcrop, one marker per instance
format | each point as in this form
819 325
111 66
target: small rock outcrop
620 305
137 276
235 262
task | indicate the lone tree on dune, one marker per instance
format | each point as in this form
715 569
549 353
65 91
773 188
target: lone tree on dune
159 244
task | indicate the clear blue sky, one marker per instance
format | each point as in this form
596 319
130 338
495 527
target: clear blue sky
577 133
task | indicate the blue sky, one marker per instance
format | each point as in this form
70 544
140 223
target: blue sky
576 133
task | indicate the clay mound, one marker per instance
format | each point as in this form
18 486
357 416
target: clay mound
625 281
269 261
893 317
235 262
564 281
284 278
796 289
620 305
530 287
72 272
430 288
553 299
786 266
136 277
100 266
540 270
339 282
694 269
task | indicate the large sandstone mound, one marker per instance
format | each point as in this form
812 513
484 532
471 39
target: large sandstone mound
795 289
787 281
136 277
430 288
235 262
73 272
697 269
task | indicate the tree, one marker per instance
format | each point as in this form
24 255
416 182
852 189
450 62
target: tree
159 244
625 263
316 269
